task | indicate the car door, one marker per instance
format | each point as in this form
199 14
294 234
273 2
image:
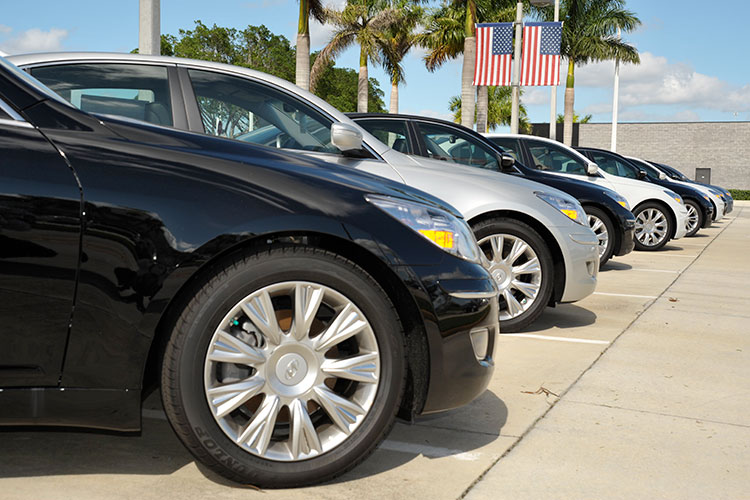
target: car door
454 145
40 231
258 112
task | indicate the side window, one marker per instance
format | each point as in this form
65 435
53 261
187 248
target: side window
553 158
131 90
249 111
392 133
511 146
614 166
451 144
4 115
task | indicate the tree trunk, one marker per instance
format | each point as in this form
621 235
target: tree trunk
393 108
482 108
569 102
362 84
302 70
467 77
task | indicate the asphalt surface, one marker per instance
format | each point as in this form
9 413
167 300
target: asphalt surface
640 391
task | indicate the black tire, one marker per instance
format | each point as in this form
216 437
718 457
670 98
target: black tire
665 227
605 250
488 228
187 360
699 223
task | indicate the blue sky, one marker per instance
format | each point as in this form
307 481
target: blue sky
692 70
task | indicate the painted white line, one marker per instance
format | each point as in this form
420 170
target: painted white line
558 339
654 270
683 256
154 414
625 295
429 451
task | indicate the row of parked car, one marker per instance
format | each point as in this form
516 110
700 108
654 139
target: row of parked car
291 278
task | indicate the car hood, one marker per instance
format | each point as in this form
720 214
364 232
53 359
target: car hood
305 168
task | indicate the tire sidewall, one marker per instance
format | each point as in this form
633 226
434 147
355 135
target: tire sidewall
670 226
243 280
607 221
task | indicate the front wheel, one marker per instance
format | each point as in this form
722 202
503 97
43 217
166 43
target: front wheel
694 217
602 226
521 264
285 369
653 226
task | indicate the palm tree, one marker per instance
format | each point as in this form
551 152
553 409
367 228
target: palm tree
498 109
450 33
302 68
366 23
398 41
590 34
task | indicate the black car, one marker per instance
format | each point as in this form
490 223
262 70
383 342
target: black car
287 308
700 210
675 174
607 211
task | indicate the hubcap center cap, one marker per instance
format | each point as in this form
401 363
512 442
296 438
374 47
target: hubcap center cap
291 369
502 276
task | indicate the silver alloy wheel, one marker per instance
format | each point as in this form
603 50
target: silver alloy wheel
650 227
600 229
292 371
692 217
516 269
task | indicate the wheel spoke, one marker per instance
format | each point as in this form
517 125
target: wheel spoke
307 300
257 433
346 324
261 312
595 223
528 289
514 307
529 267
343 413
304 437
229 349
228 397
497 243
362 368
519 247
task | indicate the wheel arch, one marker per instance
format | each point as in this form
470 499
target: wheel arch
406 307
557 255
612 217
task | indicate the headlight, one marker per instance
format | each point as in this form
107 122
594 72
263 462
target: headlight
706 198
676 197
568 206
440 227
618 198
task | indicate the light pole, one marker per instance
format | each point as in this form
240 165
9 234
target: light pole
515 89
149 27
553 93
615 98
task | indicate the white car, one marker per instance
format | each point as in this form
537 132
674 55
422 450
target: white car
537 241
660 214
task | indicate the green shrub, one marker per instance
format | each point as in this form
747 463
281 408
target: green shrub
740 194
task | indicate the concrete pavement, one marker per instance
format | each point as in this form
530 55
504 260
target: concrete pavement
641 390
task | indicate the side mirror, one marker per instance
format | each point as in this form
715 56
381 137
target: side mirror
346 137
592 168
506 162
662 176
641 175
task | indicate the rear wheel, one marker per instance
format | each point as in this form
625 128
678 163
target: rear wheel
653 226
694 217
285 369
602 226
522 266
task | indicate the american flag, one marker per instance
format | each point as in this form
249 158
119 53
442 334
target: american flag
540 64
494 48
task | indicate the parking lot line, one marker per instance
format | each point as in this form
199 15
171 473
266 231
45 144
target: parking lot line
558 339
428 451
626 295
654 270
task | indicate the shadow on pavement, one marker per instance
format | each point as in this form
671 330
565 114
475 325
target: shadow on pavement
613 265
562 316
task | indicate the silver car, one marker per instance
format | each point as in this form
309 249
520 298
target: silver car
536 239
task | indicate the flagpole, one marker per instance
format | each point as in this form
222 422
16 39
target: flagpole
516 71
553 95
615 104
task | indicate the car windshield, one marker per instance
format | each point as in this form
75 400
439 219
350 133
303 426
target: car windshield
30 80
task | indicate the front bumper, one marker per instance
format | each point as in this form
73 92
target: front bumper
680 214
627 239
581 255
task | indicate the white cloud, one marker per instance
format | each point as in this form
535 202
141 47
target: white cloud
430 114
4 30
535 95
320 34
34 40
656 81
